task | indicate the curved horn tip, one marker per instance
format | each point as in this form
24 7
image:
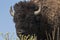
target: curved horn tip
11 11
38 11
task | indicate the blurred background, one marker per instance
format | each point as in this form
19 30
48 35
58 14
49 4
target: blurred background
6 20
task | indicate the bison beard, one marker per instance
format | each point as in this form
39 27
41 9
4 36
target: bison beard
27 22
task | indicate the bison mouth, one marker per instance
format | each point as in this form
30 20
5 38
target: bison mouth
25 36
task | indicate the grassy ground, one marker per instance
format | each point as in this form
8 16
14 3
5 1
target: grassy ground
55 36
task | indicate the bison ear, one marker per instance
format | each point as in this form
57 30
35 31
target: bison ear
11 11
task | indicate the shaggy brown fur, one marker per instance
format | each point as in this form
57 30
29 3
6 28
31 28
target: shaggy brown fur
29 23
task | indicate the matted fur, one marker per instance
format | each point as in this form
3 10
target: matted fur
45 21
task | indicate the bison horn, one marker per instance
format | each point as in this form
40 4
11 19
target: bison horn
37 12
39 5
11 11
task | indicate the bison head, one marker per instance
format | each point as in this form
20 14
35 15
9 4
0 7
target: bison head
30 18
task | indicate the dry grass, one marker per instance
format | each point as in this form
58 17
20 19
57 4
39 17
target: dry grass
55 36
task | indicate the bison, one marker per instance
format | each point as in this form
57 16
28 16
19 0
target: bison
39 17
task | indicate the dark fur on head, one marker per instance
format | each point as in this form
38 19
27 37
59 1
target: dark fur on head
27 22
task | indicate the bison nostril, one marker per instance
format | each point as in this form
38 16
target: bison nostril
22 31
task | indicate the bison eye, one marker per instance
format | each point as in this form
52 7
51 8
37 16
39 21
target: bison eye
33 7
